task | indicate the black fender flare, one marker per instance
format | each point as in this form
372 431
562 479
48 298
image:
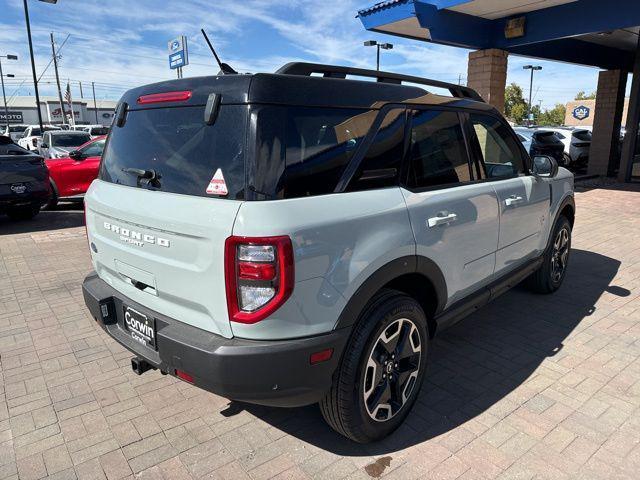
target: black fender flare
387 273
569 200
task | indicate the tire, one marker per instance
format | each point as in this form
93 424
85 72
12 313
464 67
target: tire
53 201
23 213
350 406
548 278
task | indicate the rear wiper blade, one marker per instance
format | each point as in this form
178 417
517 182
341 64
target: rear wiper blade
145 177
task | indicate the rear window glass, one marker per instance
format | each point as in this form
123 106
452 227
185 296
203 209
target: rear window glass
98 131
546 137
69 140
582 135
303 151
17 129
180 148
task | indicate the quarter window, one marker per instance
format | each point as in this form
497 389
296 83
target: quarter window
438 154
499 149
380 166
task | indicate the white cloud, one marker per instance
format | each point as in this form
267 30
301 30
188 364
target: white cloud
110 44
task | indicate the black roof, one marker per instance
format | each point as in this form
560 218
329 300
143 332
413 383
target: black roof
294 84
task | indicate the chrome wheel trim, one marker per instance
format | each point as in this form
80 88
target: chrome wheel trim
560 255
392 369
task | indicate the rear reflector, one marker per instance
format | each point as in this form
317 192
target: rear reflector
321 356
184 376
256 271
180 96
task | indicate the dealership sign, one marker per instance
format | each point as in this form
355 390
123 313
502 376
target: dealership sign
581 112
178 52
14 117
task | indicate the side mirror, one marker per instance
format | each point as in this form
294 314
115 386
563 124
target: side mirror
44 145
544 166
76 155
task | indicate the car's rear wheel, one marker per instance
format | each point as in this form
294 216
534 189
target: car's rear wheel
53 201
23 213
381 371
548 278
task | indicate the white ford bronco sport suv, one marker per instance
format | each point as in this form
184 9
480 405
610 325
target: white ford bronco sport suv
300 237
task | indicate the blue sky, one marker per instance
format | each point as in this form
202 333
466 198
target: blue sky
120 44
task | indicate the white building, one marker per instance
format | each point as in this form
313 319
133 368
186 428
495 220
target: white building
23 110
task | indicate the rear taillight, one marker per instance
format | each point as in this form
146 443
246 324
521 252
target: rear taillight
259 276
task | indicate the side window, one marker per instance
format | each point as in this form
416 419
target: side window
93 149
380 166
437 150
303 151
498 147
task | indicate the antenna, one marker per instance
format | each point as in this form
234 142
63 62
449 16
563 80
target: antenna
225 69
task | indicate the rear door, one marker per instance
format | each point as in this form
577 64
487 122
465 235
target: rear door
160 241
454 218
524 199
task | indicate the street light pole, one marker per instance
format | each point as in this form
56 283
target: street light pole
383 46
33 63
532 68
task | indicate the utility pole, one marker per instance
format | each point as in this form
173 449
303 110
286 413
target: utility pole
95 108
55 67
4 96
81 95
33 64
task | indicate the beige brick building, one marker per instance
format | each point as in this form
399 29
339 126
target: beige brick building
572 121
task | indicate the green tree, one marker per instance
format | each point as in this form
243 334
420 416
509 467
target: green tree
515 107
554 116
583 96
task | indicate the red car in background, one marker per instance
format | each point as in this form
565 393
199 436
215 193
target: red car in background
72 175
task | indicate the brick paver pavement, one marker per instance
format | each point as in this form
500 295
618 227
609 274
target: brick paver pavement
529 387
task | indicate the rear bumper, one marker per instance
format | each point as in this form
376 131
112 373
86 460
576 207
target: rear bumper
275 373
38 193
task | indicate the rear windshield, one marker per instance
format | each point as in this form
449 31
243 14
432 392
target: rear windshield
69 140
17 129
582 135
180 148
549 138
98 131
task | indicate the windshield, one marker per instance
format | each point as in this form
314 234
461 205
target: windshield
180 148
17 129
69 140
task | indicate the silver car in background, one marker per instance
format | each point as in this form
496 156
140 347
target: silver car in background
58 144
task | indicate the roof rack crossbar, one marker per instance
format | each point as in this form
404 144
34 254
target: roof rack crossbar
335 71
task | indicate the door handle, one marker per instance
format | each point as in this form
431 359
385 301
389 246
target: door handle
513 200
441 219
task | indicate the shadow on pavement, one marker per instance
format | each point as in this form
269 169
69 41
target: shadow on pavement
66 215
476 363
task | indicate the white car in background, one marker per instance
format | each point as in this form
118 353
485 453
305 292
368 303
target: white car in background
577 142
32 136
13 131
93 130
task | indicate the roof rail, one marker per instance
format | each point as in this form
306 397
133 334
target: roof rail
335 71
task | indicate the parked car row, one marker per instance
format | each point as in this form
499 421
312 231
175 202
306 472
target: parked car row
569 146
42 168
